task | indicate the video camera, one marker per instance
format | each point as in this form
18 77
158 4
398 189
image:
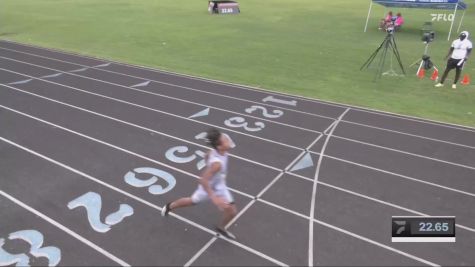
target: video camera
390 27
427 32
428 36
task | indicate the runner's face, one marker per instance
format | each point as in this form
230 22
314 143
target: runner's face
462 37
224 143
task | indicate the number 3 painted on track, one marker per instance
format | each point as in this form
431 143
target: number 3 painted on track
35 239
240 122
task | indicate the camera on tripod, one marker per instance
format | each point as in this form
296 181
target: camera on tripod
428 36
390 29
427 32
392 24
388 45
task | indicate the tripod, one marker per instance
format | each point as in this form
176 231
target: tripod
389 43
425 55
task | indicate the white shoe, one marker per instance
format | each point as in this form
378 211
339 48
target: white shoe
165 210
454 86
439 85
225 233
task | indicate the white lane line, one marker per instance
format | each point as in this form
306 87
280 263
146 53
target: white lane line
79 70
149 204
251 88
64 228
100 65
405 152
52 75
134 87
21 82
402 176
156 110
409 134
314 189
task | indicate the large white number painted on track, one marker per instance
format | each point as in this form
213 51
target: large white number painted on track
275 113
35 239
173 155
280 101
240 122
92 202
181 154
154 189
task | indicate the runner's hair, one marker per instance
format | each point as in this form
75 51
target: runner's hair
212 136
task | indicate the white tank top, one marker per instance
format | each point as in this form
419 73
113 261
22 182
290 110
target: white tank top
218 181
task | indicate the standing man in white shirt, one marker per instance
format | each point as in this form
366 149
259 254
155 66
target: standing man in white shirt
458 53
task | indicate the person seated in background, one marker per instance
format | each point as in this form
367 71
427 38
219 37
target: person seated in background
212 7
398 22
385 22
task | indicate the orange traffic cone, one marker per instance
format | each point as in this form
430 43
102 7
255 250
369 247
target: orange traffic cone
421 73
435 75
466 80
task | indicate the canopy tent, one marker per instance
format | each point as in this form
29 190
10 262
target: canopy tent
454 5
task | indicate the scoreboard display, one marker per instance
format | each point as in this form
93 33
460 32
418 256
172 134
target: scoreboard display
223 7
423 229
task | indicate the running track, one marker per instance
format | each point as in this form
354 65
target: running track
316 183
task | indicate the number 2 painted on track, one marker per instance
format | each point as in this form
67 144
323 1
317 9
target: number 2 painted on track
276 113
92 202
